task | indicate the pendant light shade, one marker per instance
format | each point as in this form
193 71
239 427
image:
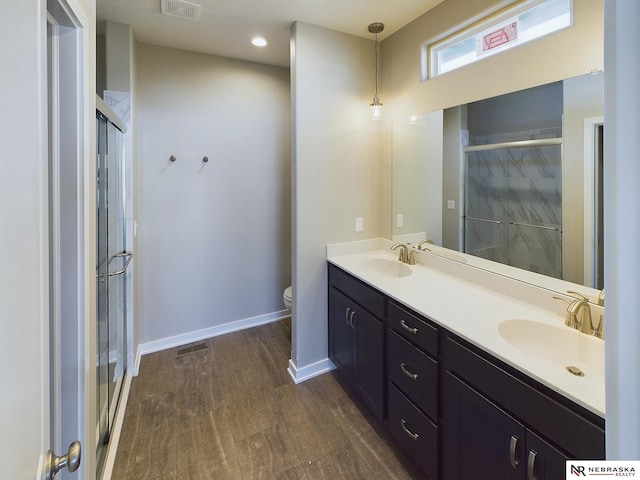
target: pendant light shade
376 104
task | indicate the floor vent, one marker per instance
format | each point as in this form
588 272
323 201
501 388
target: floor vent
180 9
192 349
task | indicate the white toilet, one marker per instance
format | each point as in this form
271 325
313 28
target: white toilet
287 297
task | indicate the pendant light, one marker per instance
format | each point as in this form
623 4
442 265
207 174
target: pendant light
376 105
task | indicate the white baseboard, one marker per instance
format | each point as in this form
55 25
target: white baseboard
114 438
307 372
184 338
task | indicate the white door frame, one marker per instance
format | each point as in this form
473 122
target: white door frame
73 324
25 346
590 166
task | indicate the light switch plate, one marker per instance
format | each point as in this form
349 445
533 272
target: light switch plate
359 224
451 204
399 220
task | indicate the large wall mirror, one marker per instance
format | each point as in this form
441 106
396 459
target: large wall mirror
514 182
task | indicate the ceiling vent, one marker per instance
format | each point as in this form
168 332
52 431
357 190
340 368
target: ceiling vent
180 9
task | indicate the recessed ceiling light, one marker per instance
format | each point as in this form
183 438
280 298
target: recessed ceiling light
260 41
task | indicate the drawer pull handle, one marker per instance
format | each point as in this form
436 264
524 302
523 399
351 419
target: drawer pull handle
353 314
408 328
412 376
346 315
531 465
513 443
412 436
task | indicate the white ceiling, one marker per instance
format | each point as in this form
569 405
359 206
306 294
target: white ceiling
226 27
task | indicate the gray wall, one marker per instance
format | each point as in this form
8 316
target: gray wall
336 157
622 227
213 239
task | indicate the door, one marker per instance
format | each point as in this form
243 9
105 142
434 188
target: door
481 441
341 334
24 295
544 461
369 362
29 347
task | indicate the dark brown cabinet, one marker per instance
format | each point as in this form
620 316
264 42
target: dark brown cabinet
412 389
456 410
496 423
482 441
356 337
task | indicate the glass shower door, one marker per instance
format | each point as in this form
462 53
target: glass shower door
102 288
111 277
513 204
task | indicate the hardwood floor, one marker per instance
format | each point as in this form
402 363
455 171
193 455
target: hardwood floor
231 411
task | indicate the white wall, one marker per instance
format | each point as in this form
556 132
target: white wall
214 238
583 98
336 155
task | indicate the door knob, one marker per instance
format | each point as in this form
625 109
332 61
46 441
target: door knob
71 460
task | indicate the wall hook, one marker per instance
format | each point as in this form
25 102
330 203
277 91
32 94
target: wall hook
172 158
205 159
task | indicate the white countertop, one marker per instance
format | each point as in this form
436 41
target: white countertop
471 303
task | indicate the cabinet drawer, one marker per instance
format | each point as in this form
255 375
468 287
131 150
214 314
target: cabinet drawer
415 433
367 297
413 372
413 328
572 432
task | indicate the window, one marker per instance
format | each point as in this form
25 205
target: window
527 21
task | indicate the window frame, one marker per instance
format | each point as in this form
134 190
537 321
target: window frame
492 19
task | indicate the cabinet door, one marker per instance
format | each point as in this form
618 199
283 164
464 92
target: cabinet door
481 441
369 364
544 461
341 342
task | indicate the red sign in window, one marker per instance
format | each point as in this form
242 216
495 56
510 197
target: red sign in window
502 36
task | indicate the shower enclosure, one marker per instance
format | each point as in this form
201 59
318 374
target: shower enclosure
113 272
513 204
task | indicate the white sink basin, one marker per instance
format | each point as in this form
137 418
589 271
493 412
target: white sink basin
386 267
560 345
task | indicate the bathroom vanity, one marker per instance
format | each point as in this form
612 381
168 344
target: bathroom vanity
431 350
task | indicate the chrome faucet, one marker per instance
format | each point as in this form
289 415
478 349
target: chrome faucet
579 313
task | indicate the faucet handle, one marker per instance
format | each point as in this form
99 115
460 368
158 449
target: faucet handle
569 302
601 298
598 330
404 251
422 242
410 257
571 319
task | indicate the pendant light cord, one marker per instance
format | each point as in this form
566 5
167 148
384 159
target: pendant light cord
375 50
376 28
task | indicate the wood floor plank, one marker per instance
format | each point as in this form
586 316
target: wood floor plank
343 464
268 454
231 412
